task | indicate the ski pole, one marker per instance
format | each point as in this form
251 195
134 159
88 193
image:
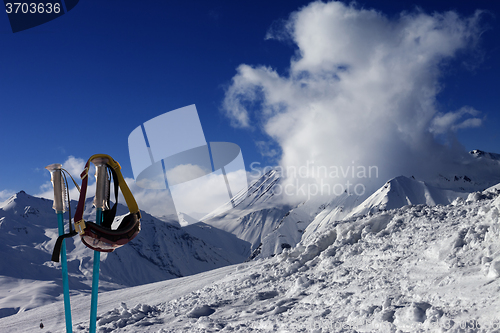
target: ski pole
59 207
100 203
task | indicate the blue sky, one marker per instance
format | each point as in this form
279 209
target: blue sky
80 84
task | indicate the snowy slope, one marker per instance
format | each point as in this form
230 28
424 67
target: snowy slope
413 269
288 231
185 219
335 210
52 315
228 243
28 230
485 155
396 193
265 219
401 191
271 225
255 215
482 171
260 191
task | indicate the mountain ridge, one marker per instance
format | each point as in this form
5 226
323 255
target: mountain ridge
28 231
418 268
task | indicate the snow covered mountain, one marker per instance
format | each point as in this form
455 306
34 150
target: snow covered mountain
260 224
402 191
28 230
271 224
484 155
335 210
264 219
418 268
396 193
482 171
256 214
287 231
260 191
185 219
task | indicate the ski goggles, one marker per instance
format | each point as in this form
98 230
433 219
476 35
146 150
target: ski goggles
101 237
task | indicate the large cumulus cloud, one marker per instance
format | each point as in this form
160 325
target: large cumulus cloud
361 90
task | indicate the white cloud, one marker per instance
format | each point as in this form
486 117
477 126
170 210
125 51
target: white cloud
184 172
453 121
74 165
196 198
154 202
360 91
5 194
265 149
201 196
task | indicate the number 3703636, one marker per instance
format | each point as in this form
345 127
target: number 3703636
32 8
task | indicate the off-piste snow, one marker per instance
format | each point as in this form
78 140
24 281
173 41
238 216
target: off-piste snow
411 256
430 266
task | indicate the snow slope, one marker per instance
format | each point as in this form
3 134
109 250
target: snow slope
265 219
28 231
396 193
417 268
255 215
260 191
287 231
482 172
401 191
335 210
228 243
185 219
270 225
482 154
52 315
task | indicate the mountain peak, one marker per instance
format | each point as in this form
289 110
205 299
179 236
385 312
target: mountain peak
259 191
21 198
482 154
19 195
401 191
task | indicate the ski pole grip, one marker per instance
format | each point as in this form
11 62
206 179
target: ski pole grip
100 200
57 183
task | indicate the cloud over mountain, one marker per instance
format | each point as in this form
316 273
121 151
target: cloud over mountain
361 91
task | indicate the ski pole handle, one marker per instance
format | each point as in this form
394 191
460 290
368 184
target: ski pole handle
60 207
57 183
102 184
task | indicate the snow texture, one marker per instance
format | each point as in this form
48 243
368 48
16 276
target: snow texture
418 268
29 279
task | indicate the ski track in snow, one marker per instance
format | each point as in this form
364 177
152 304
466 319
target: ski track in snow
414 269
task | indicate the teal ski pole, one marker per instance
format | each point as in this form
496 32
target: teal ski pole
59 207
100 202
